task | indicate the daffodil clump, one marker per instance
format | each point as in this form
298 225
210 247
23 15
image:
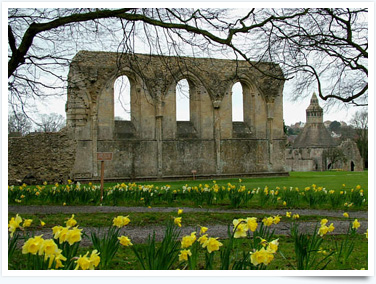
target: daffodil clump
121 221
236 194
87 262
48 249
266 254
243 226
196 250
14 224
324 229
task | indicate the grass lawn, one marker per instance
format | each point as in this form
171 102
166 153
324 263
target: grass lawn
285 258
328 179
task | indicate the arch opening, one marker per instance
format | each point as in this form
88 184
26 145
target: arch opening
122 99
182 101
237 102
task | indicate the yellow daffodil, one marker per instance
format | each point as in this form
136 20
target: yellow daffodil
261 256
331 228
85 263
288 214
180 211
62 234
263 242
42 223
356 224
177 221
212 244
295 216
56 231
268 221
14 223
71 222
276 219
94 258
284 203
273 246
346 215
323 222
187 241
252 223
73 235
240 228
183 256
27 223
32 245
58 258
323 230
121 221
203 230
125 241
366 233
203 239
48 248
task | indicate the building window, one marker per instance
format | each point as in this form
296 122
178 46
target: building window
237 102
122 98
182 101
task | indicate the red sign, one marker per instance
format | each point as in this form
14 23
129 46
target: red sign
104 156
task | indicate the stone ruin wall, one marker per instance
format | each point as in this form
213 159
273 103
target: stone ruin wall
313 159
43 156
153 144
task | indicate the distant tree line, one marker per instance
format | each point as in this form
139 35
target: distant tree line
22 124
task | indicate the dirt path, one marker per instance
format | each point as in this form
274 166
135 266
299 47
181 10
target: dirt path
141 234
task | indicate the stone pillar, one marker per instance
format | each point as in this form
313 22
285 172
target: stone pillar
269 130
217 136
158 137
94 139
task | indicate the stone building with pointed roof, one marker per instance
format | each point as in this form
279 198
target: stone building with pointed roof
314 149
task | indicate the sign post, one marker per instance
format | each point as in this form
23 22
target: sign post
103 156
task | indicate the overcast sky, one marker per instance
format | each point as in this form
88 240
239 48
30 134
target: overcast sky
293 111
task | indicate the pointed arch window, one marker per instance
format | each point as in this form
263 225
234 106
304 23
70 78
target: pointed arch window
182 101
122 98
237 102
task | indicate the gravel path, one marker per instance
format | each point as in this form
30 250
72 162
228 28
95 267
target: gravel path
33 209
140 234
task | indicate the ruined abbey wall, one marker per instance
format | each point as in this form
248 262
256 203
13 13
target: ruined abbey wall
153 144
41 157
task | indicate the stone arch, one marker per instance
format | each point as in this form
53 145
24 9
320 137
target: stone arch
139 98
200 108
252 101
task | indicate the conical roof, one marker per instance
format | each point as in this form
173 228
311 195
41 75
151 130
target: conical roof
314 105
314 133
314 136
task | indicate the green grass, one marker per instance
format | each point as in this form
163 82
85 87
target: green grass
337 181
284 259
328 179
